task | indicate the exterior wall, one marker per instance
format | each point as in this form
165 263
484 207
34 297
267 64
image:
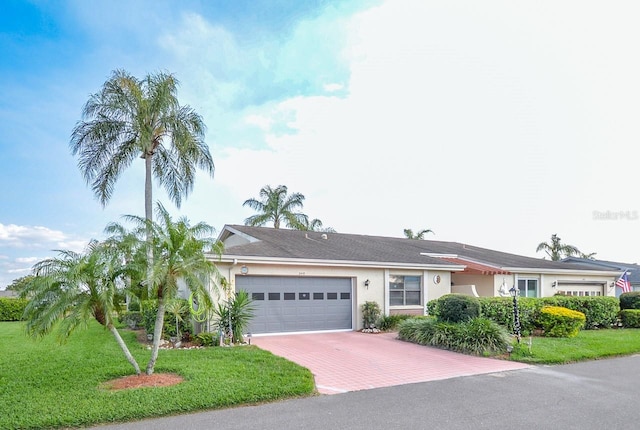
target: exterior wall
376 292
484 283
546 282
489 285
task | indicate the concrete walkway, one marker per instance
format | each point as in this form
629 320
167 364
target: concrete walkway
352 361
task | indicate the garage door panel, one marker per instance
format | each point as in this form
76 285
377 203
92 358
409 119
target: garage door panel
298 304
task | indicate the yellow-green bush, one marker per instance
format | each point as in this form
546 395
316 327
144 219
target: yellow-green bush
557 321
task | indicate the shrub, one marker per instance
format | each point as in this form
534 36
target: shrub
149 311
207 339
630 318
457 308
134 306
432 308
558 321
132 319
630 300
233 316
500 310
370 314
12 308
390 322
600 311
478 336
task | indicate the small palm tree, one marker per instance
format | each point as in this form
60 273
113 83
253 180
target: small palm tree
276 206
74 288
556 249
409 234
181 254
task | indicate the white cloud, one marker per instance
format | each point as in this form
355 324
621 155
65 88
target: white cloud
27 260
12 235
484 125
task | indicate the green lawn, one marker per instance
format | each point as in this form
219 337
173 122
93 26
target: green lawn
46 385
588 345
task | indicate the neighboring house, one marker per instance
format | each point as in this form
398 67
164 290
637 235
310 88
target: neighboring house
633 270
304 281
8 293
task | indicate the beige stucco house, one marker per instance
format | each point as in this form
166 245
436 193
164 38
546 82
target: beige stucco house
309 281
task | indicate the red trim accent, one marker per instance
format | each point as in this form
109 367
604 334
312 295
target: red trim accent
477 268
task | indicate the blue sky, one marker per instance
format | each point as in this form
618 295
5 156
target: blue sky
494 123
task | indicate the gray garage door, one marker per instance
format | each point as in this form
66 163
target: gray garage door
287 304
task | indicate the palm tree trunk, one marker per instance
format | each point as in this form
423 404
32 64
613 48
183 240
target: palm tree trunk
123 347
157 336
148 214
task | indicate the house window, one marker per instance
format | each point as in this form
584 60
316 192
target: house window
528 287
404 290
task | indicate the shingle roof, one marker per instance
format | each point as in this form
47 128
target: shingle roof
295 244
632 268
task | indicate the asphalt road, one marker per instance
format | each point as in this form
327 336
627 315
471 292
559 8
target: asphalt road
602 394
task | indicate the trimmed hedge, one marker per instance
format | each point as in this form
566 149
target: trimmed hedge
630 300
12 308
500 310
557 321
630 318
600 312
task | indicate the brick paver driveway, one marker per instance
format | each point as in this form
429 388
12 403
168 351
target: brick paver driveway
351 361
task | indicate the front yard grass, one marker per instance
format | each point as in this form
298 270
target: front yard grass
47 385
588 345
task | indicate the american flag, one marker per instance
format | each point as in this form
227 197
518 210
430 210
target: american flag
623 282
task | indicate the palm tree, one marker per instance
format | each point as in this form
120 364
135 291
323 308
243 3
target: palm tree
556 249
74 288
409 234
314 225
181 250
589 256
276 206
129 119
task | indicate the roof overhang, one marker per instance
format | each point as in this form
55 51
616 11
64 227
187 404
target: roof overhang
243 259
563 271
476 268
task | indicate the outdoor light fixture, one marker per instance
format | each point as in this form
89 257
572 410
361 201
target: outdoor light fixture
516 315
244 270
366 283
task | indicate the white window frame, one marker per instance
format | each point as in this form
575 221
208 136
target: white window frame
404 291
526 280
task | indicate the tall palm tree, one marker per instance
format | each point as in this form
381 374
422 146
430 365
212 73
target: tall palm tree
409 234
74 288
556 249
181 255
276 206
131 118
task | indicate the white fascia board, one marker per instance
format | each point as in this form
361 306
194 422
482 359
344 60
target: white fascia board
562 271
337 263
438 255
228 229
